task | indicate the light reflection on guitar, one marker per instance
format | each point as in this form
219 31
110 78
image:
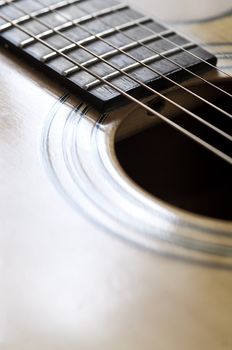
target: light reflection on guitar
89 259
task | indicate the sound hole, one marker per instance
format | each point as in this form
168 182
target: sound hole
177 170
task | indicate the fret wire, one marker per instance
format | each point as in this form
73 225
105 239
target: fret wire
174 62
157 72
135 65
160 35
43 10
94 38
4 26
194 55
114 74
217 130
188 52
208 63
110 54
192 136
49 9
88 62
73 23
160 74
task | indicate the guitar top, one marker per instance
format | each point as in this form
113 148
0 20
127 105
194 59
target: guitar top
115 217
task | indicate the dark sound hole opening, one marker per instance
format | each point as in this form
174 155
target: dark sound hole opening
179 171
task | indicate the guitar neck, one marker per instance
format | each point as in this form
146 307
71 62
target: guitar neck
102 50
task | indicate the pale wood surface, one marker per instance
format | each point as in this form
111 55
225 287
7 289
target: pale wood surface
180 10
67 283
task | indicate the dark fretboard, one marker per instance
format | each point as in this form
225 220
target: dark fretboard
54 34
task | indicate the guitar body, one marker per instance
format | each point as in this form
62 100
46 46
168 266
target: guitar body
88 258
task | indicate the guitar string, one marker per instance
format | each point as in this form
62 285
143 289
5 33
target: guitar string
149 48
172 61
217 130
97 56
148 67
51 8
171 123
170 41
196 43
219 109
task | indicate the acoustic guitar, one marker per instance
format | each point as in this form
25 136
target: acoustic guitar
115 151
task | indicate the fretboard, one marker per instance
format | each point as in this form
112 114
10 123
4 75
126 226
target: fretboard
93 46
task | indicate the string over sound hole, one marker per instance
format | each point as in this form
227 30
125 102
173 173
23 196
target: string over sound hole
179 171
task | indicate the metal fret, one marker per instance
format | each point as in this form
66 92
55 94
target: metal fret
106 92
125 83
4 26
96 59
113 52
45 34
43 10
97 36
55 6
71 24
81 20
51 8
138 64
